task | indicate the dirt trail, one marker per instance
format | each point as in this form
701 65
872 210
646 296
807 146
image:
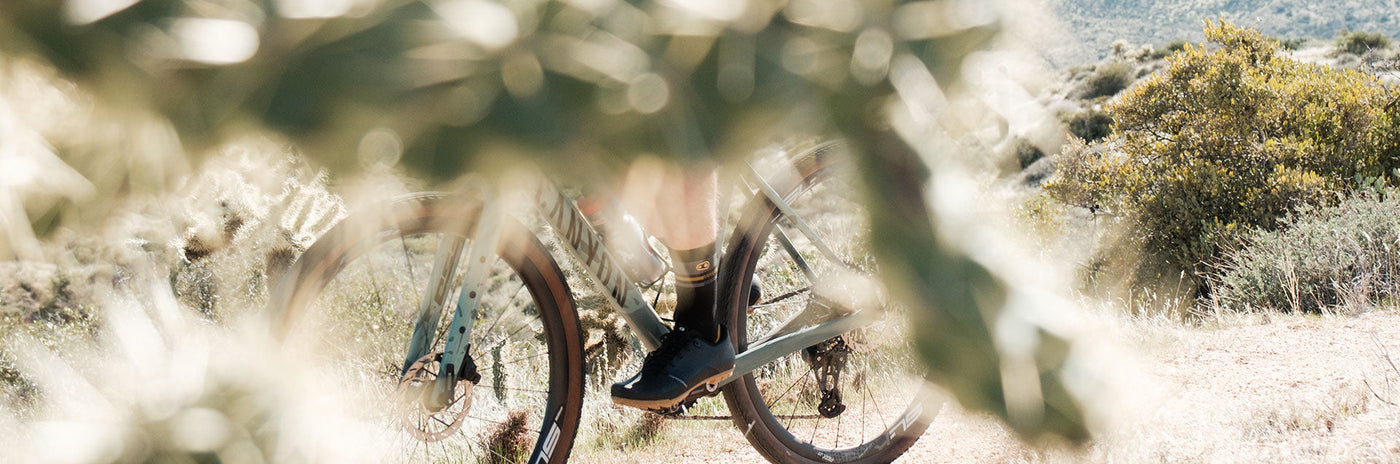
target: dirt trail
1289 389
1294 389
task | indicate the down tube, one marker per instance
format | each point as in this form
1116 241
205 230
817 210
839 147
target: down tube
608 277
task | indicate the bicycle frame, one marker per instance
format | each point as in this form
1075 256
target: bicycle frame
812 325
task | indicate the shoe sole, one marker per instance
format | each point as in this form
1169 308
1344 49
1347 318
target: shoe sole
711 385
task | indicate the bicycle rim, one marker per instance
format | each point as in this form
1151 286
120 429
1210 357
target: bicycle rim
357 292
780 405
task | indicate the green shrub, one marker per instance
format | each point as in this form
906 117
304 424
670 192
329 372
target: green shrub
1229 140
1026 153
1322 257
1358 43
1090 125
1108 80
1170 49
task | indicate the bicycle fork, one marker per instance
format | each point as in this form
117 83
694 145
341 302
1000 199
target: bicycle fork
455 364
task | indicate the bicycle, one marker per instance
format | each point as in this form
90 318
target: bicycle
818 350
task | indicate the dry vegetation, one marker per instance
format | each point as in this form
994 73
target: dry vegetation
1260 387
133 344
1224 386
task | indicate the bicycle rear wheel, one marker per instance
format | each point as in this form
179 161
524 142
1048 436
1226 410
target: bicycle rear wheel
353 299
855 398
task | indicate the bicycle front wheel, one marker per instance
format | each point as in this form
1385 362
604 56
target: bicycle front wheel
353 299
855 398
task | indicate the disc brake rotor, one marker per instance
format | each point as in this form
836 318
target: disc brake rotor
420 421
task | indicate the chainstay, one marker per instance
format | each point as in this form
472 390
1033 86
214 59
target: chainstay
715 418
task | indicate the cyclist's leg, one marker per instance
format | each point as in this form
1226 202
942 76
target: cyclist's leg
688 211
696 353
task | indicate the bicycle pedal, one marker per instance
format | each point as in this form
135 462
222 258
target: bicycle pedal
675 411
705 390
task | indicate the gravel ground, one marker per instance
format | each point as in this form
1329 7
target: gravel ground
1252 389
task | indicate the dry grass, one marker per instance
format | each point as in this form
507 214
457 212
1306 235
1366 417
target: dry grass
510 440
1244 388
152 374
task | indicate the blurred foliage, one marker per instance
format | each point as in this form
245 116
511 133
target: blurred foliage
1227 140
1358 43
159 385
1343 255
442 86
453 80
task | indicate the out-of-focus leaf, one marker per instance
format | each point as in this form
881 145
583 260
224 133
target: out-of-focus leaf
554 80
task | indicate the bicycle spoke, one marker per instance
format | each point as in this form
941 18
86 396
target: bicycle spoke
815 424
504 309
780 298
838 432
790 387
503 424
880 413
527 390
793 405
516 331
412 277
519 360
863 404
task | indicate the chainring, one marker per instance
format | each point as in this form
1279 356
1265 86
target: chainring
420 421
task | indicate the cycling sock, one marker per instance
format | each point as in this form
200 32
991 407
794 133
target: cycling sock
697 276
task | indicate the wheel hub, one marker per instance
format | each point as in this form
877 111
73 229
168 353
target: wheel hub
415 390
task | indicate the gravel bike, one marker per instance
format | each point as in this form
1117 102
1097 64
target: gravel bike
451 305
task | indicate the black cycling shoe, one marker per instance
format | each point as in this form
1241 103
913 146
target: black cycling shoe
678 370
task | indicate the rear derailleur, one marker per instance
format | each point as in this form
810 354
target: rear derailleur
828 359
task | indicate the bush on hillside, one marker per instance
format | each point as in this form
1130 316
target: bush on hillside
1026 153
1090 125
1358 43
1169 50
1227 140
1108 80
1321 258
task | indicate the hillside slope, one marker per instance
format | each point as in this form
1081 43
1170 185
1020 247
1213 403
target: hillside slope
1096 24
